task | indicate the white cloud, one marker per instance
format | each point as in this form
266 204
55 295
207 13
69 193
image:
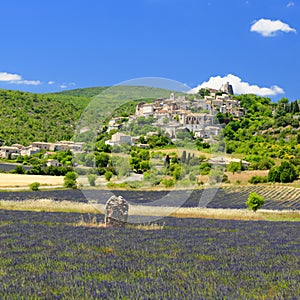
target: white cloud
51 82
291 4
239 86
16 79
268 28
4 76
27 82
66 85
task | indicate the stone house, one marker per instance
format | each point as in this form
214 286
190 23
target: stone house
119 138
43 145
30 151
144 109
7 152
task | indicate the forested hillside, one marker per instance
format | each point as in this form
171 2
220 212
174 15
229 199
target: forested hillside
27 117
268 128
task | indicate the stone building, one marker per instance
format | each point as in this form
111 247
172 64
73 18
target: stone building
227 88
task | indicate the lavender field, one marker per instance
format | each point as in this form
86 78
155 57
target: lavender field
45 256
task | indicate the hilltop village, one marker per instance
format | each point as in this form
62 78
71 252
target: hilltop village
175 114
171 115
193 115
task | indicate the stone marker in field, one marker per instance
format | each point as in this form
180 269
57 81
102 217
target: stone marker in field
116 212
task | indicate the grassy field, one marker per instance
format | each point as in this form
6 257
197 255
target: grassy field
46 205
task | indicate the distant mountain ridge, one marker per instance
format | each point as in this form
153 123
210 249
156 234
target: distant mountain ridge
89 92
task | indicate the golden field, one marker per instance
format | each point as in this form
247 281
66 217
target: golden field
22 180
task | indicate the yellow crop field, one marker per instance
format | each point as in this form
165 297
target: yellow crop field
21 180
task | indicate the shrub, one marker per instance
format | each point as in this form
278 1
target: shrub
18 170
185 183
70 184
254 201
135 184
177 172
92 179
168 182
234 167
71 175
192 177
116 185
225 178
35 186
258 179
108 175
70 180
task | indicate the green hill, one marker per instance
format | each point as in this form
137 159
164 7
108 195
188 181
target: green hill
28 117
268 128
83 92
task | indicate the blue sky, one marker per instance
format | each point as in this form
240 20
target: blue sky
56 45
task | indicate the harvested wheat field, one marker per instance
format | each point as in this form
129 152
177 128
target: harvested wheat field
21 180
244 176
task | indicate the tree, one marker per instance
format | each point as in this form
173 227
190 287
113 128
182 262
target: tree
221 117
183 157
70 180
167 161
234 167
296 107
286 172
89 160
274 175
140 160
254 201
102 160
203 92
102 147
